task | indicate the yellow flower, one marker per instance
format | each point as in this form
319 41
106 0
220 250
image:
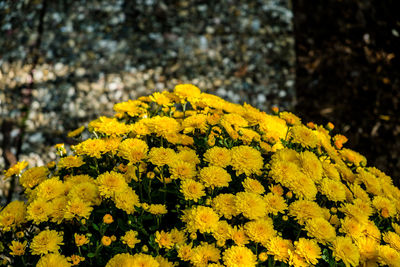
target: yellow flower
239 237
251 205
108 219
353 157
80 240
246 160
320 229
200 218
163 126
279 248
12 215
160 156
188 155
384 206
308 249
239 257
70 162
260 231
185 252
304 210
86 191
182 170
110 183
304 136
218 156
39 210
204 254
352 227
75 259
343 249
50 189
310 165
33 176
161 98
133 150
214 176
47 241
392 239
133 108
187 92
290 118
388 256
77 208
275 203
90 147
53 259
118 260
17 248
222 231
164 240
253 186
127 200
197 121
192 190
339 140
225 205
333 190
109 127
158 209
130 238
16 169
76 132
106 241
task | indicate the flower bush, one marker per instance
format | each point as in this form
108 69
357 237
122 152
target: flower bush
185 178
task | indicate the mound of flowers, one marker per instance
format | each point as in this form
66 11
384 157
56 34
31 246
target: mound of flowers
185 178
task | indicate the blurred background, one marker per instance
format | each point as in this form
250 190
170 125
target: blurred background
66 62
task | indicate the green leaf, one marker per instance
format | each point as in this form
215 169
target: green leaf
95 227
91 255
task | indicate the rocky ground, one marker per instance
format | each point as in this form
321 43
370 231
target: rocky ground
63 63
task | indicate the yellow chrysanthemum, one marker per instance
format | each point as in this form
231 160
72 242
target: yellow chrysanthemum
260 231
353 157
246 160
384 206
130 238
70 162
158 209
110 183
239 257
290 118
225 205
392 239
187 92
17 248
182 170
333 190
279 248
161 99
222 231
109 126
320 229
90 147
188 155
76 132
53 259
238 236
39 210
218 156
214 176
15 169
12 215
344 249
127 200
275 203
308 249
198 121
253 186
33 176
185 252
310 165
304 210
192 190
163 126
47 241
305 137
204 254
164 240
50 189
77 208
200 218
134 150
251 205
80 240
132 108
161 156
87 191
388 256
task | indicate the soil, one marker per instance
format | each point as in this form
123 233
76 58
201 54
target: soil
348 62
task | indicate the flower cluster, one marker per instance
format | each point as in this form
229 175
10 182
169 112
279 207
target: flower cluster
186 178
